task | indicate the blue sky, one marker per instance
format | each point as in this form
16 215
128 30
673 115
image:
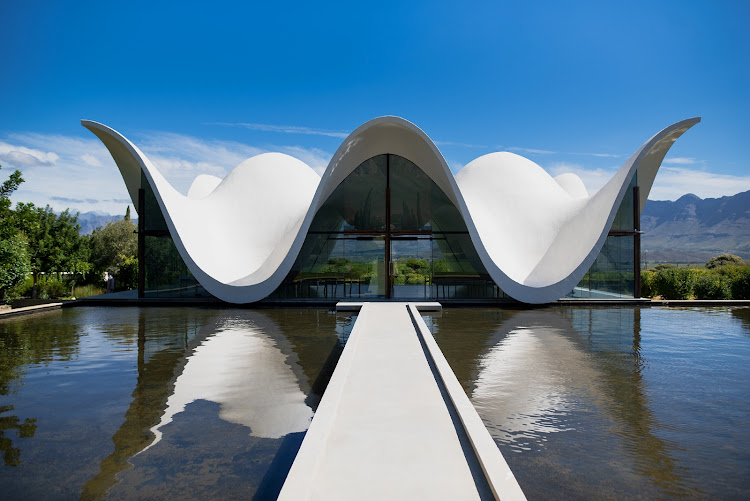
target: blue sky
575 86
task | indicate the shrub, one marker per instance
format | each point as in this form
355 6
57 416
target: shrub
675 283
87 290
712 286
740 283
647 284
53 289
127 278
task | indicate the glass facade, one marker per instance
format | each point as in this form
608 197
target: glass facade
165 273
388 231
613 274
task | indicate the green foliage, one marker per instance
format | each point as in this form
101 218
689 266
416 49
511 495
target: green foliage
49 286
6 189
14 263
53 288
114 249
675 283
441 266
712 286
647 284
127 277
724 260
87 290
740 283
722 281
7 229
55 244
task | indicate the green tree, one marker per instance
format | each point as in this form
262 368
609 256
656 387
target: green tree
114 249
14 263
724 260
7 228
14 255
9 186
55 244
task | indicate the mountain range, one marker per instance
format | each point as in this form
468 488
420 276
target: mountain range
90 221
692 229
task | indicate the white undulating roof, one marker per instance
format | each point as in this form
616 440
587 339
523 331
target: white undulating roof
536 235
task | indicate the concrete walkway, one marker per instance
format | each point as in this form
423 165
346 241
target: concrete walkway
12 312
392 425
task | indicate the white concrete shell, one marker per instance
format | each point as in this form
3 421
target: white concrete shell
536 235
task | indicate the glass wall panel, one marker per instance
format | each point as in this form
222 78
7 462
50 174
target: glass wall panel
458 273
337 266
166 272
624 217
153 218
412 267
612 274
358 203
417 203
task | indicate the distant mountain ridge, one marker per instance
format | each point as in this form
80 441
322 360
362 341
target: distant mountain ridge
696 227
90 221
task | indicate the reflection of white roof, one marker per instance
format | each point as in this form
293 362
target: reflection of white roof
536 235
522 386
242 370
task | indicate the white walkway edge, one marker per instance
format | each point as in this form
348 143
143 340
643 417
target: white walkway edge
499 475
383 430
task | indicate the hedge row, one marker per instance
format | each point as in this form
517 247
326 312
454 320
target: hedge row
727 282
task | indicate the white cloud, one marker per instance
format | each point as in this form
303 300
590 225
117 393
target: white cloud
670 183
599 155
67 168
77 173
285 129
673 182
461 145
91 160
680 161
531 151
19 156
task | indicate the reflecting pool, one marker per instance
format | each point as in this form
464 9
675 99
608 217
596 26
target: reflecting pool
610 403
159 402
195 403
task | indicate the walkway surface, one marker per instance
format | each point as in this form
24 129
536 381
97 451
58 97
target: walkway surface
393 425
8 312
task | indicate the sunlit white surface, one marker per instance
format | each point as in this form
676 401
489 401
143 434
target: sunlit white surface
536 235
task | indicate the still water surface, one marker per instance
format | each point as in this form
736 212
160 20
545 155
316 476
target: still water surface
585 403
